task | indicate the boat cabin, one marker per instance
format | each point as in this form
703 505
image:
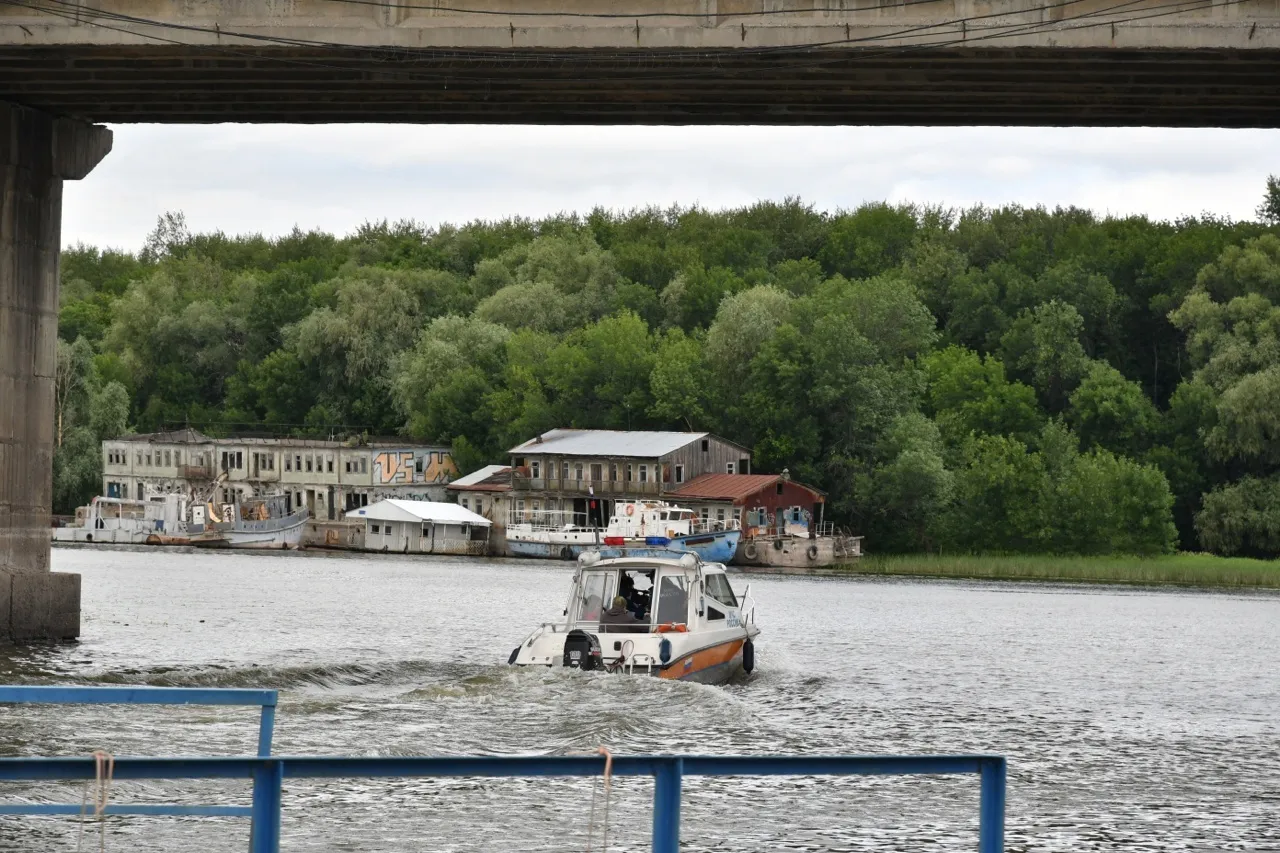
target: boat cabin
645 519
672 594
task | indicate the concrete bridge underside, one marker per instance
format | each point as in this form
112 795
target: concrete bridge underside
66 64
980 86
912 62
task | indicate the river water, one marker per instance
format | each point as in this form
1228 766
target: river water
1133 719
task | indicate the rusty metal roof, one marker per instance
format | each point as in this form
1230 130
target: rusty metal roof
491 478
731 487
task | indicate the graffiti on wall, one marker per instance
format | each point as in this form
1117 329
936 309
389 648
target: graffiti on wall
401 467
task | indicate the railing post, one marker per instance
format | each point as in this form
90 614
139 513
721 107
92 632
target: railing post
666 806
266 729
264 835
991 807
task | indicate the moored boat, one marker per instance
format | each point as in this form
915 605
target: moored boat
121 521
653 528
673 617
782 550
257 523
636 529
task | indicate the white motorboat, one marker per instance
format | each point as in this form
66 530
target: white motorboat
673 617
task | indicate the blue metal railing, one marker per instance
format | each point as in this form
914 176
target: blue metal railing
268 775
268 772
40 695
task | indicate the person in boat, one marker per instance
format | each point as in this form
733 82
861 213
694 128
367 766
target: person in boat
636 600
619 619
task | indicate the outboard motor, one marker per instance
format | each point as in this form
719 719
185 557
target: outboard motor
582 651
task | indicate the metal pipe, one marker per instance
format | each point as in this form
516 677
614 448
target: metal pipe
666 806
264 834
991 806
266 729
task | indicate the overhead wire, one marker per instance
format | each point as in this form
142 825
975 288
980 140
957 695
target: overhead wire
394 66
75 9
1000 31
806 10
965 22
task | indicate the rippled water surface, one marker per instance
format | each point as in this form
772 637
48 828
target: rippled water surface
1132 719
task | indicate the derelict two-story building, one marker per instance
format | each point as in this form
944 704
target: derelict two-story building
327 477
576 475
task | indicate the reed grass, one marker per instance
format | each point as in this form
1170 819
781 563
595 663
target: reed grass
1183 569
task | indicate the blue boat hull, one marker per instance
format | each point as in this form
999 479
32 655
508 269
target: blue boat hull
710 547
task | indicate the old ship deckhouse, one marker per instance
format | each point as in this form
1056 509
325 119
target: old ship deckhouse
573 476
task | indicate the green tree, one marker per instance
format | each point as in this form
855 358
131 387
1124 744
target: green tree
680 381
909 487
1110 412
443 384
868 241
744 322
1242 518
968 394
599 375
1269 209
1043 346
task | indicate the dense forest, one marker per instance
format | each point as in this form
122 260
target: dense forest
988 380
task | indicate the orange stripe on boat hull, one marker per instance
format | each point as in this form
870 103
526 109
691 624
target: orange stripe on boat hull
703 659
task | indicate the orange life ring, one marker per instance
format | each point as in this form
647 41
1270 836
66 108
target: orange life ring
677 627
631 509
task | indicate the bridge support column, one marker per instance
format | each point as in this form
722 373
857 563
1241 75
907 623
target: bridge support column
37 153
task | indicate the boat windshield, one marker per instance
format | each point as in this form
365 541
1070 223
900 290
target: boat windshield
673 599
595 591
718 588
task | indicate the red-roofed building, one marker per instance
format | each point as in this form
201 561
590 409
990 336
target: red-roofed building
760 503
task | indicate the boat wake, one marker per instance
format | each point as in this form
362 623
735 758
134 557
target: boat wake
324 676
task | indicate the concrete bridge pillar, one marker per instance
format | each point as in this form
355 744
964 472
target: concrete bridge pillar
37 153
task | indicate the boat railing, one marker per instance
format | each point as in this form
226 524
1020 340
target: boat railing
668 772
747 607
134 695
712 525
548 520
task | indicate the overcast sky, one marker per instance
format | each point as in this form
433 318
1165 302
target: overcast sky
267 179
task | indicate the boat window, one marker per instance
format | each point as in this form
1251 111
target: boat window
713 614
595 593
673 600
637 588
718 588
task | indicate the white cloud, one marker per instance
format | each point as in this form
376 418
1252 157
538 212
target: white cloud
244 178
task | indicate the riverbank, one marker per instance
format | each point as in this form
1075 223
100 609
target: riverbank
1178 569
